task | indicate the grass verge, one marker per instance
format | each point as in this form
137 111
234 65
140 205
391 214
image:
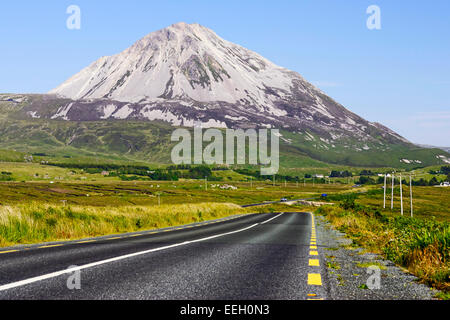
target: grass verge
421 246
37 222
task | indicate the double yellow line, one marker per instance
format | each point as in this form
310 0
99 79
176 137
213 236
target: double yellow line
314 279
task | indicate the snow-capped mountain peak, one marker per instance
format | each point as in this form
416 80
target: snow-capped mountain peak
183 61
186 73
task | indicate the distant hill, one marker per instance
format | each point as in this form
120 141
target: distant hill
446 149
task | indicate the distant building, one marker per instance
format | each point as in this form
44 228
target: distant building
105 173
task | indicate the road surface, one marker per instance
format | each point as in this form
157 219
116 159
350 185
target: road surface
251 257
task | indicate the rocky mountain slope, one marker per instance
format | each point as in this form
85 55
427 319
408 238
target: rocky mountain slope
185 73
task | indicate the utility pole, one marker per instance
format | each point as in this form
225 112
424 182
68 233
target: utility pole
206 183
304 181
251 182
274 180
384 199
401 195
411 195
285 183
392 194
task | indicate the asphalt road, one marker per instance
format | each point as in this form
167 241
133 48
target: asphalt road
253 257
273 202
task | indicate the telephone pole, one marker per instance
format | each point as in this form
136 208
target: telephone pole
401 195
392 194
384 199
411 195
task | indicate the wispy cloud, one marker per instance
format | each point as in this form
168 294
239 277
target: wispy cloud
427 127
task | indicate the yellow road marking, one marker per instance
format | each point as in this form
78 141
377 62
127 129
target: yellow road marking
8 251
313 253
115 238
87 241
313 247
314 279
51 246
135 235
312 294
318 299
313 262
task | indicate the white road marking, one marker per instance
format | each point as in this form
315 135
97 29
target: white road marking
94 264
272 218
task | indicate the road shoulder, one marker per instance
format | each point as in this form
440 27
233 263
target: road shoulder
352 273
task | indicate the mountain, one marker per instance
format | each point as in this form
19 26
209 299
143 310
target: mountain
427 146
186 73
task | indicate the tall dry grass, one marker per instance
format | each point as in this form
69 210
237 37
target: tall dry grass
38 222
421 246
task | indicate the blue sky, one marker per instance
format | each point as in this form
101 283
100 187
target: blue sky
399 75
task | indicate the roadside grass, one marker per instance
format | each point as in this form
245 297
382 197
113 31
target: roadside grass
420 245
36 222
